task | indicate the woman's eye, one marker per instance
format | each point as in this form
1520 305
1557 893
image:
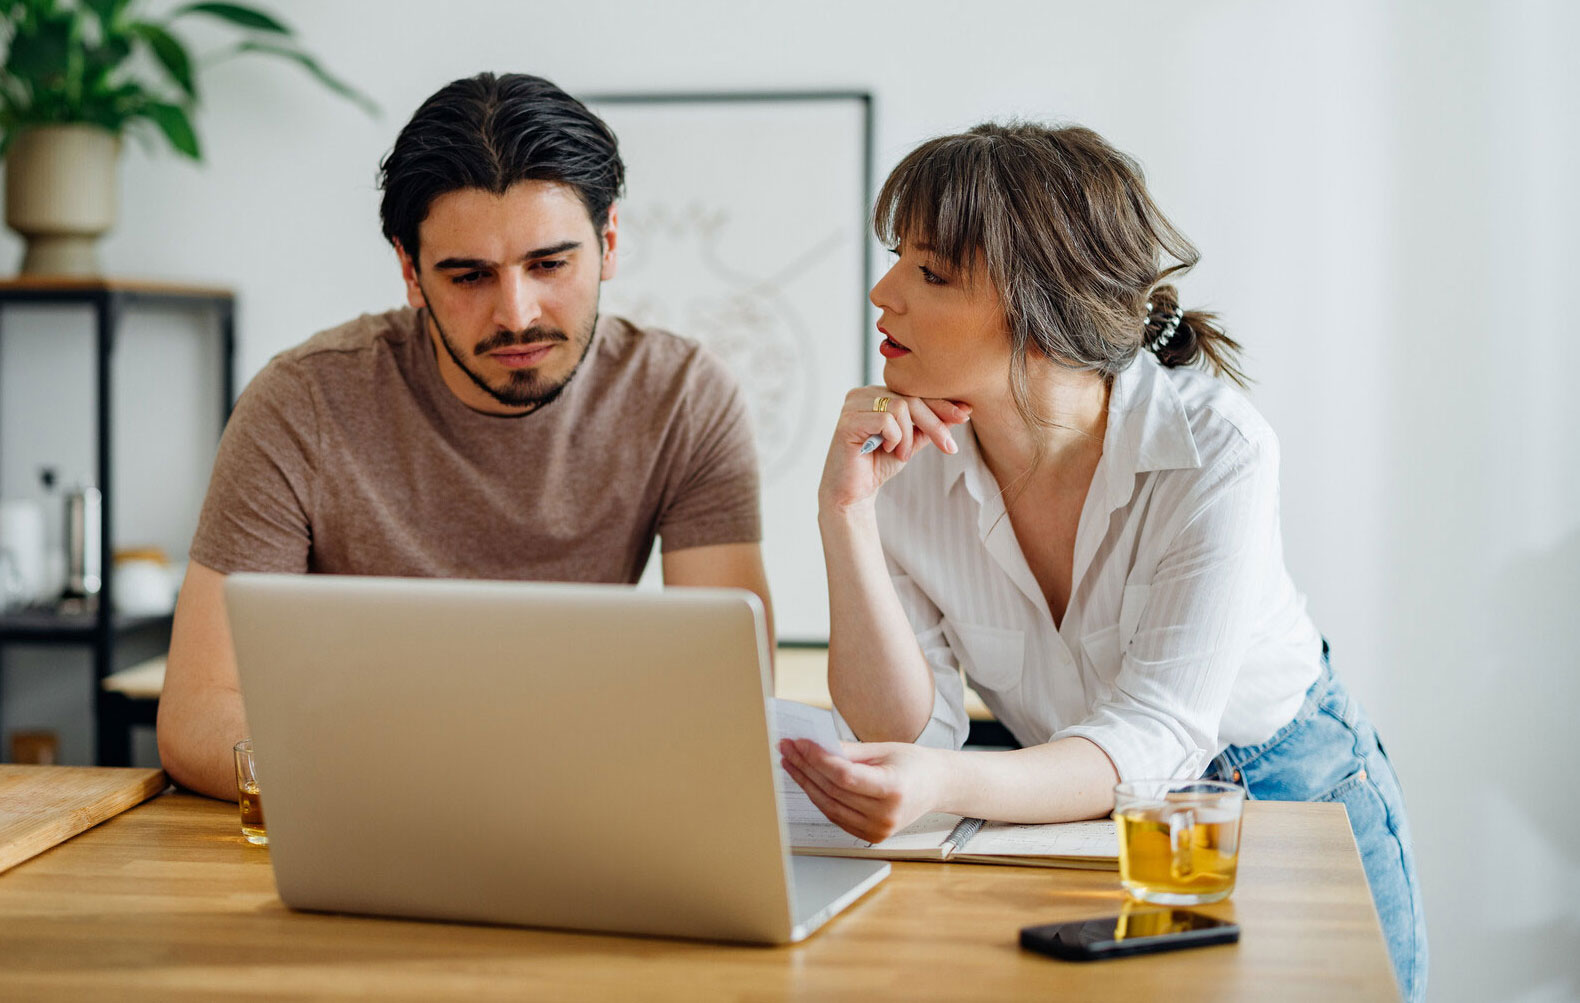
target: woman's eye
929 276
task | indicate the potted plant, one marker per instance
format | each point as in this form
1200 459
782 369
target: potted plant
79 74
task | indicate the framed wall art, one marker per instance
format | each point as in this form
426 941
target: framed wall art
744 226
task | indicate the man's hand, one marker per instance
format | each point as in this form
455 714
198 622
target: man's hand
882 788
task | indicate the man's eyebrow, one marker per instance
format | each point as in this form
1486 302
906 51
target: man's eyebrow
477 264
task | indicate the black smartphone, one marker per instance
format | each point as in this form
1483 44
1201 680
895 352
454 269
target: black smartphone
1139 930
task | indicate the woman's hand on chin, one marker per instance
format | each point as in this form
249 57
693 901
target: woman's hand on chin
882 788
907 424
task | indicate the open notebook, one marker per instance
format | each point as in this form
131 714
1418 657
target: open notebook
937 835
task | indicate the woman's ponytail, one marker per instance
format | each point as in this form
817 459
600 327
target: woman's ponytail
1180 337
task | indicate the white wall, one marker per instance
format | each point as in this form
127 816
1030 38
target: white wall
1382 194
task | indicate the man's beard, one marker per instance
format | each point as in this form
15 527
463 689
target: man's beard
525 388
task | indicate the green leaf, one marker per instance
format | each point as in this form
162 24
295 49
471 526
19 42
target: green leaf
118 105
22 10
107 11
173 122
323 76
102 99
172 55
111 52
43 54
103 60
13 96
235 13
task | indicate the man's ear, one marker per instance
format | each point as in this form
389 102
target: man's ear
408 274
610 238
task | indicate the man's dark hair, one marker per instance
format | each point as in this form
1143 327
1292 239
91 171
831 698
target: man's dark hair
490 132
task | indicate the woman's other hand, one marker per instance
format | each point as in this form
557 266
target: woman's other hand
882 788
907 424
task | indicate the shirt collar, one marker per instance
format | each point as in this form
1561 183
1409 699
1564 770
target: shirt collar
968 465
1148 429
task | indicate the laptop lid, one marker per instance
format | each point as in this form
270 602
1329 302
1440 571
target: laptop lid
578 756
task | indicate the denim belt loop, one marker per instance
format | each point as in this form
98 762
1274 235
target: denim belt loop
1227 765
1315 694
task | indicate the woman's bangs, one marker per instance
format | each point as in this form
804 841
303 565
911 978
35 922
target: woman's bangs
931 200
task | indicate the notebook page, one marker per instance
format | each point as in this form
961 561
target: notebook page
1097 838
924 837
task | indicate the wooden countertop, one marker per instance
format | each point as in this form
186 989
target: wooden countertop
799 674
167 901
802 674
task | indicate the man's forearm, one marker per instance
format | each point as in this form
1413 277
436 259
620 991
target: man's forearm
197 738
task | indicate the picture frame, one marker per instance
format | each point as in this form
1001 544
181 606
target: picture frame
745 226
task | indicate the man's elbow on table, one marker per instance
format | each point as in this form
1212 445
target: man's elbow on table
200 712
195 749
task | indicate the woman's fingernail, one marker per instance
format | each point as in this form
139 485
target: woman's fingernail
949 445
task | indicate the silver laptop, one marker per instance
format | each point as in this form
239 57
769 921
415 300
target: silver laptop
578 756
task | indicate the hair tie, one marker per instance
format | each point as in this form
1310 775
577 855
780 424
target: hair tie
1160 327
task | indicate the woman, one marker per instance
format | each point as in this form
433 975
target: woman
1094 540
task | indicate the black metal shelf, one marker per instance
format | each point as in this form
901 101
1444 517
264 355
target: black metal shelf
103 631
49 627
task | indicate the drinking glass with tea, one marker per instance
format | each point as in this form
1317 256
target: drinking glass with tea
248 796
1179 840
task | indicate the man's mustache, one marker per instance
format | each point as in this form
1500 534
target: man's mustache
508 339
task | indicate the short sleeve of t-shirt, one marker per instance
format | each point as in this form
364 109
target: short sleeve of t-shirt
714 497
257 514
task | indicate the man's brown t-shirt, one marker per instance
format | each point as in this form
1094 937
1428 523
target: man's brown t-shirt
349 455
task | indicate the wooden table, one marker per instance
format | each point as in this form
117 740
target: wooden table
167 900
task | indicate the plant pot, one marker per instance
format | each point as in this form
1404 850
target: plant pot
60 195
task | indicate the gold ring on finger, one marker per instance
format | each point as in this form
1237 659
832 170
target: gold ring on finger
881 404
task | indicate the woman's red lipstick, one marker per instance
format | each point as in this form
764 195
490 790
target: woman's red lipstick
889 348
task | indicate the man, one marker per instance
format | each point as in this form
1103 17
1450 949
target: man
497 428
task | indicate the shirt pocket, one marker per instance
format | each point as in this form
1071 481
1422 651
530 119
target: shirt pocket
993 657
1105 648
1101 649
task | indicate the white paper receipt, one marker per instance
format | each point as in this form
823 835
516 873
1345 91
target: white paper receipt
799 720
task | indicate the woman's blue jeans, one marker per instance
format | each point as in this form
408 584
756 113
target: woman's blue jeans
1330 752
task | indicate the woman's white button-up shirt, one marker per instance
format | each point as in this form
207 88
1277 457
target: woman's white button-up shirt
1184 633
